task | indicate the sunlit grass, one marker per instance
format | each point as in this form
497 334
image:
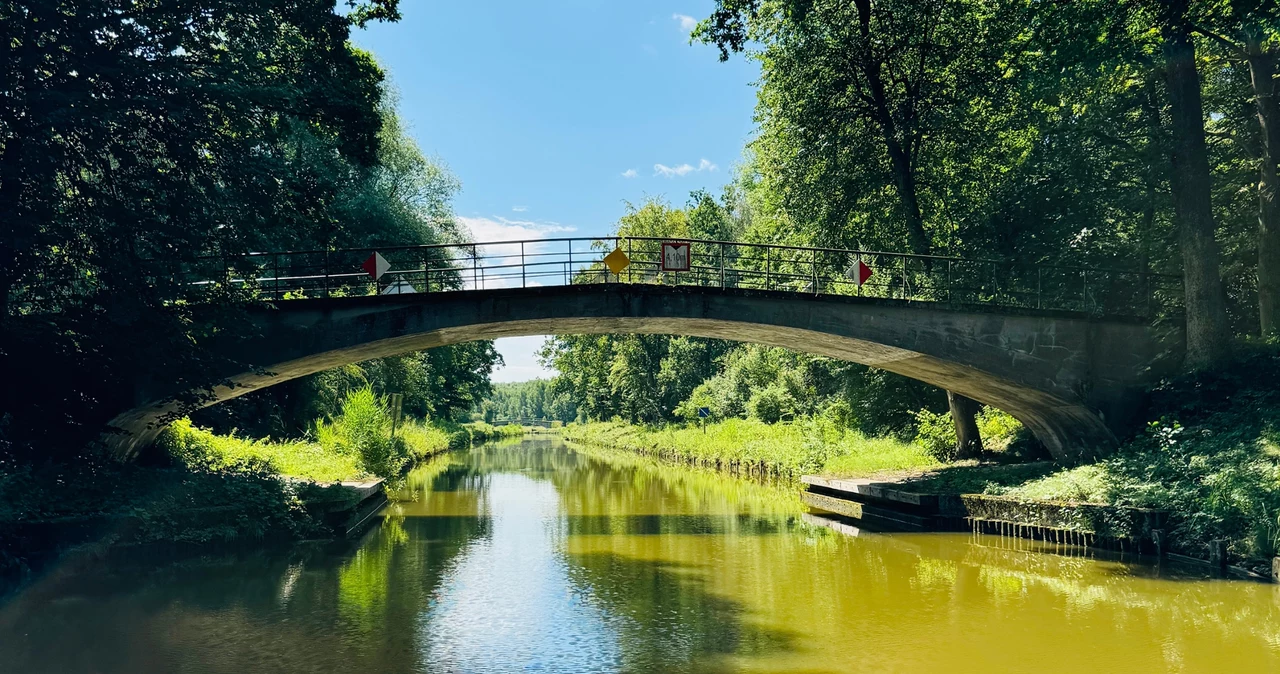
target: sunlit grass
862 456
787 449
324 460
306 460
1082 484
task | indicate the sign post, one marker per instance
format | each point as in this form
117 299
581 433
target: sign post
395 402
703 414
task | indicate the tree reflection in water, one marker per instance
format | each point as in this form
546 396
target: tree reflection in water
532 555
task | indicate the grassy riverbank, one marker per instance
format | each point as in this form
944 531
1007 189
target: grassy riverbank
201 487
1210 456
357 444
746 445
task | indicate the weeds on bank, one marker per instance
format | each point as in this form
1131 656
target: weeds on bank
785 449
1211 458
355 444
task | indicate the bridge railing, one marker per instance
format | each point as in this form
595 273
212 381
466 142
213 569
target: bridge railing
278 276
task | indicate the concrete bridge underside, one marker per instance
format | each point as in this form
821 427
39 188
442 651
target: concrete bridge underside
1074 381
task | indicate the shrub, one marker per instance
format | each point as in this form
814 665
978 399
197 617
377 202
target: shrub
770 404
363 429
936 433
201 450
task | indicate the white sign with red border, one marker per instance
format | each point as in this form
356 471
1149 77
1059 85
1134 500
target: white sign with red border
675 256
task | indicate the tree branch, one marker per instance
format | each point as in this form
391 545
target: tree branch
1233 47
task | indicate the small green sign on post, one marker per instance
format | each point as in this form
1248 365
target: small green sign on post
395 402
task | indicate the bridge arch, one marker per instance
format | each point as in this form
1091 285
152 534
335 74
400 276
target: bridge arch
1072 380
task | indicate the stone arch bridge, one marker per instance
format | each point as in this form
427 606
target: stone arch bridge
1066 351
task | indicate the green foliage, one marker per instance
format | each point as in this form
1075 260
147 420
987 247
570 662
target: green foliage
182 133
1212 460
363 430
527 400
201 450
745 445
770 404
936 433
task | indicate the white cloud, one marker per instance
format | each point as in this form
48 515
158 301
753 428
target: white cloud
519 209
629 173
498 228
496 257
686 22
683 169
521 356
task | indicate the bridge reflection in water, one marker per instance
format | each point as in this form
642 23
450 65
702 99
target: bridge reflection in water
530 556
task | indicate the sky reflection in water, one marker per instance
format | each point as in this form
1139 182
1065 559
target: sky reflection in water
533 557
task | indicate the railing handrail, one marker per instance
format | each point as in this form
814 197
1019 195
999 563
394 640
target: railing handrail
712 242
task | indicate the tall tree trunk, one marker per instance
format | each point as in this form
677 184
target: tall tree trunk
901 162
1207 335
904 178
964 411
1262 69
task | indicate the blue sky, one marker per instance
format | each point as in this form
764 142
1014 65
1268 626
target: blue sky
554 114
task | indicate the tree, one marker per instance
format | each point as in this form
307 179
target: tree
1207 333
888 81
1247 30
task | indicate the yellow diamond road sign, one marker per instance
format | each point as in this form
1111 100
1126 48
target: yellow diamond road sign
617 261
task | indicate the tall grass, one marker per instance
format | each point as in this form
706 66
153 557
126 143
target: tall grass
356 444
363 429
203 450
754 447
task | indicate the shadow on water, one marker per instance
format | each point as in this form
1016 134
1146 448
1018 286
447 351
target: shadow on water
540 557
350 607
667 618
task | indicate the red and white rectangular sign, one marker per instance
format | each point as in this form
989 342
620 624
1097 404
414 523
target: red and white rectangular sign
675 256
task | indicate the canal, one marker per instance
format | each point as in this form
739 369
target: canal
535 556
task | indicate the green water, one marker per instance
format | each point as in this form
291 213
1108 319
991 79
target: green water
533 557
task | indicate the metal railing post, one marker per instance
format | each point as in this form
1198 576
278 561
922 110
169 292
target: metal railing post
276 264
326 273
1084 289
722 266
768 268
904 278
475 268
1039 287
522 267
568 275
813 269
949 299
630 256
1150 296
